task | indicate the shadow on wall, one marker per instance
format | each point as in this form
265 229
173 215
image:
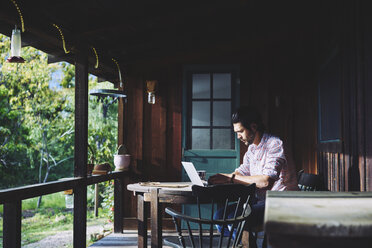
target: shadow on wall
354 175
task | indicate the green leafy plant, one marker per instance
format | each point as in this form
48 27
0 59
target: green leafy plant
122 150
108 200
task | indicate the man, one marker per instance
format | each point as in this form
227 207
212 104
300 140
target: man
264 163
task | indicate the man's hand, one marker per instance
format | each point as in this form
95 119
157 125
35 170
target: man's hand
220 178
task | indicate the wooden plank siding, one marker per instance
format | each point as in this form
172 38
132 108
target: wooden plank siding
133 137
334 172
367 78
280 77
347 166
152 133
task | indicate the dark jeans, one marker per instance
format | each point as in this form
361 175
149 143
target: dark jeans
256 217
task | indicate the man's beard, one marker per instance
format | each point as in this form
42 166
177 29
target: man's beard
251 138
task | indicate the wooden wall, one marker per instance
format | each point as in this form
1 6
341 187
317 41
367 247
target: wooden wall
279 78
346 165
152 133
279 71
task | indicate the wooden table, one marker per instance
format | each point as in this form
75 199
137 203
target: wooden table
319 219
155 196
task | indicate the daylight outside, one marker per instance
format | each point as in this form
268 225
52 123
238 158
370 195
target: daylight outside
37 145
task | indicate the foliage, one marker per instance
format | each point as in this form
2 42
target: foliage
102 126
102 138
37 121
108 200
68 81
122 150
33 120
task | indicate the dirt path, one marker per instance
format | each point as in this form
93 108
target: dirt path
64 238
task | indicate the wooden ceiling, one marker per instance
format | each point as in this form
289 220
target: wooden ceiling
138 30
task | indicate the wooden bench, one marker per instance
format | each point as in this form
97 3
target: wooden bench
318 219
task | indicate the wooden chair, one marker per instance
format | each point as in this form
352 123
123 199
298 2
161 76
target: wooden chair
213 195
253 236
309 182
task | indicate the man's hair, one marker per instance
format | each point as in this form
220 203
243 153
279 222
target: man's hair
247 115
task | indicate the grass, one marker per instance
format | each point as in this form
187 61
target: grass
49 219
44 224
56 200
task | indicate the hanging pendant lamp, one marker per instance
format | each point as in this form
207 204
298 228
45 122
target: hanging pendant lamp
150 86
15 47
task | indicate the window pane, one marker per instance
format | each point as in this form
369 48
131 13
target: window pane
200 138
201 86
200 113
330 101
222 85
222 113
221 138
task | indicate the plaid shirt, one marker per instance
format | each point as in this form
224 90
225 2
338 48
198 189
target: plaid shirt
268 158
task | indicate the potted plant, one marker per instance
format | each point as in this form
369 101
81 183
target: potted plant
122 159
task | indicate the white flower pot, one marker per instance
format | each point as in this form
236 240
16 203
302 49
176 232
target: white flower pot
122 162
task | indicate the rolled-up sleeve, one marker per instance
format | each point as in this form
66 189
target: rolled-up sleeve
243 169
275 159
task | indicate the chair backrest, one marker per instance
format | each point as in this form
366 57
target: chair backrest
310 182
217 195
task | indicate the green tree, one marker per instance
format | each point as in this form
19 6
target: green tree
34 119
37 122
102 126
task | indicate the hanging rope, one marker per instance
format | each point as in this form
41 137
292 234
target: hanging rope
20 14
63 38
117 64
96 54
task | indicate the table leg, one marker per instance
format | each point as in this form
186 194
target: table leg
156 220
142 221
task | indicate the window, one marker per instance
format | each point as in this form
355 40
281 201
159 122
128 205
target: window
210 107
329 97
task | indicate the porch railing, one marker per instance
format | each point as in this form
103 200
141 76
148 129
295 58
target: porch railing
12 200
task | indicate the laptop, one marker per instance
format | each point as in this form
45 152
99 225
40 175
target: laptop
193 174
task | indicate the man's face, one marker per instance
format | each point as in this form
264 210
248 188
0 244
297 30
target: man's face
243 134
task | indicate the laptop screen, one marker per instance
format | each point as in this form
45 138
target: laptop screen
192 173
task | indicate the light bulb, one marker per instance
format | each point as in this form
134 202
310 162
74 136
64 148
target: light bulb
15 46
151 98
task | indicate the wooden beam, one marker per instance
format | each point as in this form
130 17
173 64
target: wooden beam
34 190
119 205
81 115
12 224
81 148
40 34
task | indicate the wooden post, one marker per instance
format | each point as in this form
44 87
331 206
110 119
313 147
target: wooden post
81 148
118 205
12 224
142 215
